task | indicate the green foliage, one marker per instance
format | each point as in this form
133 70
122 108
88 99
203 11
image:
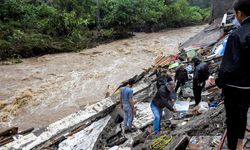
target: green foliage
11 10
117 13
36 28
181 13
149 10
85 9
200 3
124 14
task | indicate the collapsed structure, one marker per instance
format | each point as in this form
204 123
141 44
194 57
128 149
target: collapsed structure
100 125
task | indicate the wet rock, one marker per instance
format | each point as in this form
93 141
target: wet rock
117 139
131 138
144 115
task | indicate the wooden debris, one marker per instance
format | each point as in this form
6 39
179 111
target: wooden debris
6 136
9 132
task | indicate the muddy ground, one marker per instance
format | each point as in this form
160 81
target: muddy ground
44 89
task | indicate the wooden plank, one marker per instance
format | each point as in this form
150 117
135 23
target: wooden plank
6 140
9 132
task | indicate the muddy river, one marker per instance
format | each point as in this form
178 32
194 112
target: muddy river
44 89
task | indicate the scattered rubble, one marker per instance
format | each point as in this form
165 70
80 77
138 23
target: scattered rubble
99 126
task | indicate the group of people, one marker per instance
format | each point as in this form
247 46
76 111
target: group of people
165 90
233 78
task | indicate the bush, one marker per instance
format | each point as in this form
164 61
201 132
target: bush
117 13
11 10
181 13
34 28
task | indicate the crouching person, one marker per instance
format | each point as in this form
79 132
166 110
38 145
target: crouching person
127 104
161 100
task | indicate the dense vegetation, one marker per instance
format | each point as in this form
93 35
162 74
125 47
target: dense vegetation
201 3
31 28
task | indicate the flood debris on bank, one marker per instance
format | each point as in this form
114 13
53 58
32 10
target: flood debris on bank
100 126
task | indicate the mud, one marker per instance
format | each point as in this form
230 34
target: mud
42 90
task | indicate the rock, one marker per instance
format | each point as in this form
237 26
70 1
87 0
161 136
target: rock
131 138
144 115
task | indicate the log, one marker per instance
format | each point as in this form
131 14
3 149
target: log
6 136
26 131
9 132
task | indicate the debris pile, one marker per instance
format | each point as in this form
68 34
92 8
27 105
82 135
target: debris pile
100 126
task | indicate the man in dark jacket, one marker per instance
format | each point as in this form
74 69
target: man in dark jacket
234 76
201 74
162 77
161 100
181 76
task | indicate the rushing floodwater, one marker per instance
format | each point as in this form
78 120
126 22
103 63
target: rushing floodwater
42 90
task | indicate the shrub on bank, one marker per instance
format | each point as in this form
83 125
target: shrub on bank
31 28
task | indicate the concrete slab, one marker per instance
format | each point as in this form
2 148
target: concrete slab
144 115
85 139
66 124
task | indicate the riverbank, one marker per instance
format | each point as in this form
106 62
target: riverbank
52 86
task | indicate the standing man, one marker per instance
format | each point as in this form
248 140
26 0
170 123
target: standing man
234 76
201 74
162 76
161 100
127 104
181 76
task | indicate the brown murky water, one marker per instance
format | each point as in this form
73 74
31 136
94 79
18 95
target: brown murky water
42 90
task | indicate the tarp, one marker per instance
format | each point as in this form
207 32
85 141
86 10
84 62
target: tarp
181 106
174 65
191 53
